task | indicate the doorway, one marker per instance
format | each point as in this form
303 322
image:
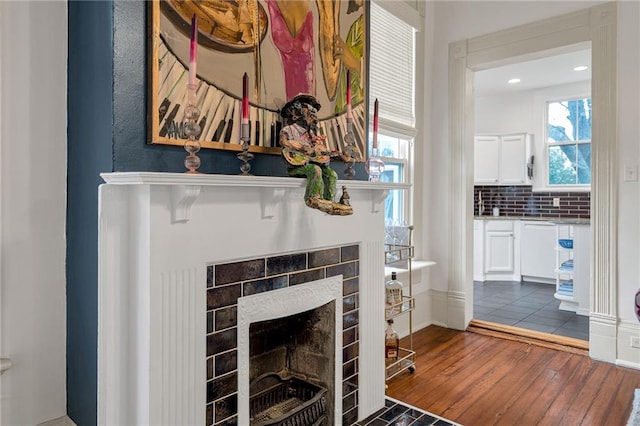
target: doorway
598 26
512 101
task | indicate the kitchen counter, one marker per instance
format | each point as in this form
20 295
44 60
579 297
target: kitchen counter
558 220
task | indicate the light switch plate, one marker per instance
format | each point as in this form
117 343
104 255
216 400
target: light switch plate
630 173
556 202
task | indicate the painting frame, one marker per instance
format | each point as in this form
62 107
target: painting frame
339 40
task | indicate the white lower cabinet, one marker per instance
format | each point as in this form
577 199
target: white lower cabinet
501 250
537 251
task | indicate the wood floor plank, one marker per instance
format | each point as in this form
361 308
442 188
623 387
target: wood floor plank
540 388
482 380
575 412
511 387
607 401
544 392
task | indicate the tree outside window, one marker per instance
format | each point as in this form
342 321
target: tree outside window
569 142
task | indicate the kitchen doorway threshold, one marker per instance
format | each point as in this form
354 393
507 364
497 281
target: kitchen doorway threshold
552 341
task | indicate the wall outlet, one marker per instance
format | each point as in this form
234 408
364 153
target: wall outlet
556 202
635 342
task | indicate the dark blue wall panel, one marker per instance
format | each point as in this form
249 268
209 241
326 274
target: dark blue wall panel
90 151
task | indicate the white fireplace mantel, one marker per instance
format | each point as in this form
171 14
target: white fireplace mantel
157 234
187 187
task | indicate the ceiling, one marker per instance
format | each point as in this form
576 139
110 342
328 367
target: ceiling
534 74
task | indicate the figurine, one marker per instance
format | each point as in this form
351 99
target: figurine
307 155
344 199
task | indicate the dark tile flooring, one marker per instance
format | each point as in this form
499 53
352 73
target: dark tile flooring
526 305
397 413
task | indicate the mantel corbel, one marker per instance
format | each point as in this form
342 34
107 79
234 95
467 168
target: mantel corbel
271 197
377 200
182 199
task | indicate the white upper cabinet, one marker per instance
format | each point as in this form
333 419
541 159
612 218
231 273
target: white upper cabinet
487 160
502 159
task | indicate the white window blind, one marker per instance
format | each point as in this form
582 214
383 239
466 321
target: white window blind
391 67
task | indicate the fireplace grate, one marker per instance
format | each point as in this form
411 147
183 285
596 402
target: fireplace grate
287 401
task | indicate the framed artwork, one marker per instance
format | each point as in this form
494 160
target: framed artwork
286 47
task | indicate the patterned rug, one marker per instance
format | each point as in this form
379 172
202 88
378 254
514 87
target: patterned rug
634 418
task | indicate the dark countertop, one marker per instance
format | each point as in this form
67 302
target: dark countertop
557 220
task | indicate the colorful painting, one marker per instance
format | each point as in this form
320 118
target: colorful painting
287 47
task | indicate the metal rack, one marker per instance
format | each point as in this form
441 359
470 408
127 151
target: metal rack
395 254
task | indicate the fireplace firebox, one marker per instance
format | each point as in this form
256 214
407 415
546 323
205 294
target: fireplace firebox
291 368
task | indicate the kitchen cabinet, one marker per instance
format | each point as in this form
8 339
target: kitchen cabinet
537 254
501 253
502 159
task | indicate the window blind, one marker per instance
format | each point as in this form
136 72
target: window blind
391 67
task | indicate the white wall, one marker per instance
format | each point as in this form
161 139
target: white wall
33 123
460 20
509 113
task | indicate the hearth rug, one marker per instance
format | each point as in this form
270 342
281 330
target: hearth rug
398 413
634 418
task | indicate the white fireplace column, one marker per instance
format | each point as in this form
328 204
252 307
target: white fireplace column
157 234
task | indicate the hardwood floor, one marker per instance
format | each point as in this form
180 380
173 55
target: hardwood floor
479 380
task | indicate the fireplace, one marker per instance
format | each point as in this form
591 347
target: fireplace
301 347
178 256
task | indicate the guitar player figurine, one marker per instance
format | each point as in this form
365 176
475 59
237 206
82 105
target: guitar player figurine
307 155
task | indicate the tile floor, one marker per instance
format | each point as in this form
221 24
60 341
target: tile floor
397 413
527 305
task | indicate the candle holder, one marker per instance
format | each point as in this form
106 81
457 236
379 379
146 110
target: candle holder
191 129
374 166
245 156
350 150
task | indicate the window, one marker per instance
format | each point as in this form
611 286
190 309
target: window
394 152
392 82
569 142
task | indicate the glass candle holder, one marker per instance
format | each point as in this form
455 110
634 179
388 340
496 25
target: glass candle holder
374 166
191 129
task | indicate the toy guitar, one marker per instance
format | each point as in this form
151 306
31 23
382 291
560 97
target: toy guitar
296 158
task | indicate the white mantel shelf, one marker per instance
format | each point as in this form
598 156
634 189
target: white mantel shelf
187 187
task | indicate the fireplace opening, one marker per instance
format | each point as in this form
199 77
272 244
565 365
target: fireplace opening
292 369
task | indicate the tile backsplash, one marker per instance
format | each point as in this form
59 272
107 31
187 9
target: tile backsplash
521 201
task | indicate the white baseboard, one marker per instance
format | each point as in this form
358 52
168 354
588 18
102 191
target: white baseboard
628 356
60 421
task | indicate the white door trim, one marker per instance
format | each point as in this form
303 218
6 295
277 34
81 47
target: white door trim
596 25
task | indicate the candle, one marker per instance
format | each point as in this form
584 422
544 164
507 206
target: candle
349 113
375 124
244 129
193 51
245 98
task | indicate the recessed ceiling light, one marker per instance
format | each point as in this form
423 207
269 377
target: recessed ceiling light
581 68
514 81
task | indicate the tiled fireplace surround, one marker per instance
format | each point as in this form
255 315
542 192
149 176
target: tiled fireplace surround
226 283
177 251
